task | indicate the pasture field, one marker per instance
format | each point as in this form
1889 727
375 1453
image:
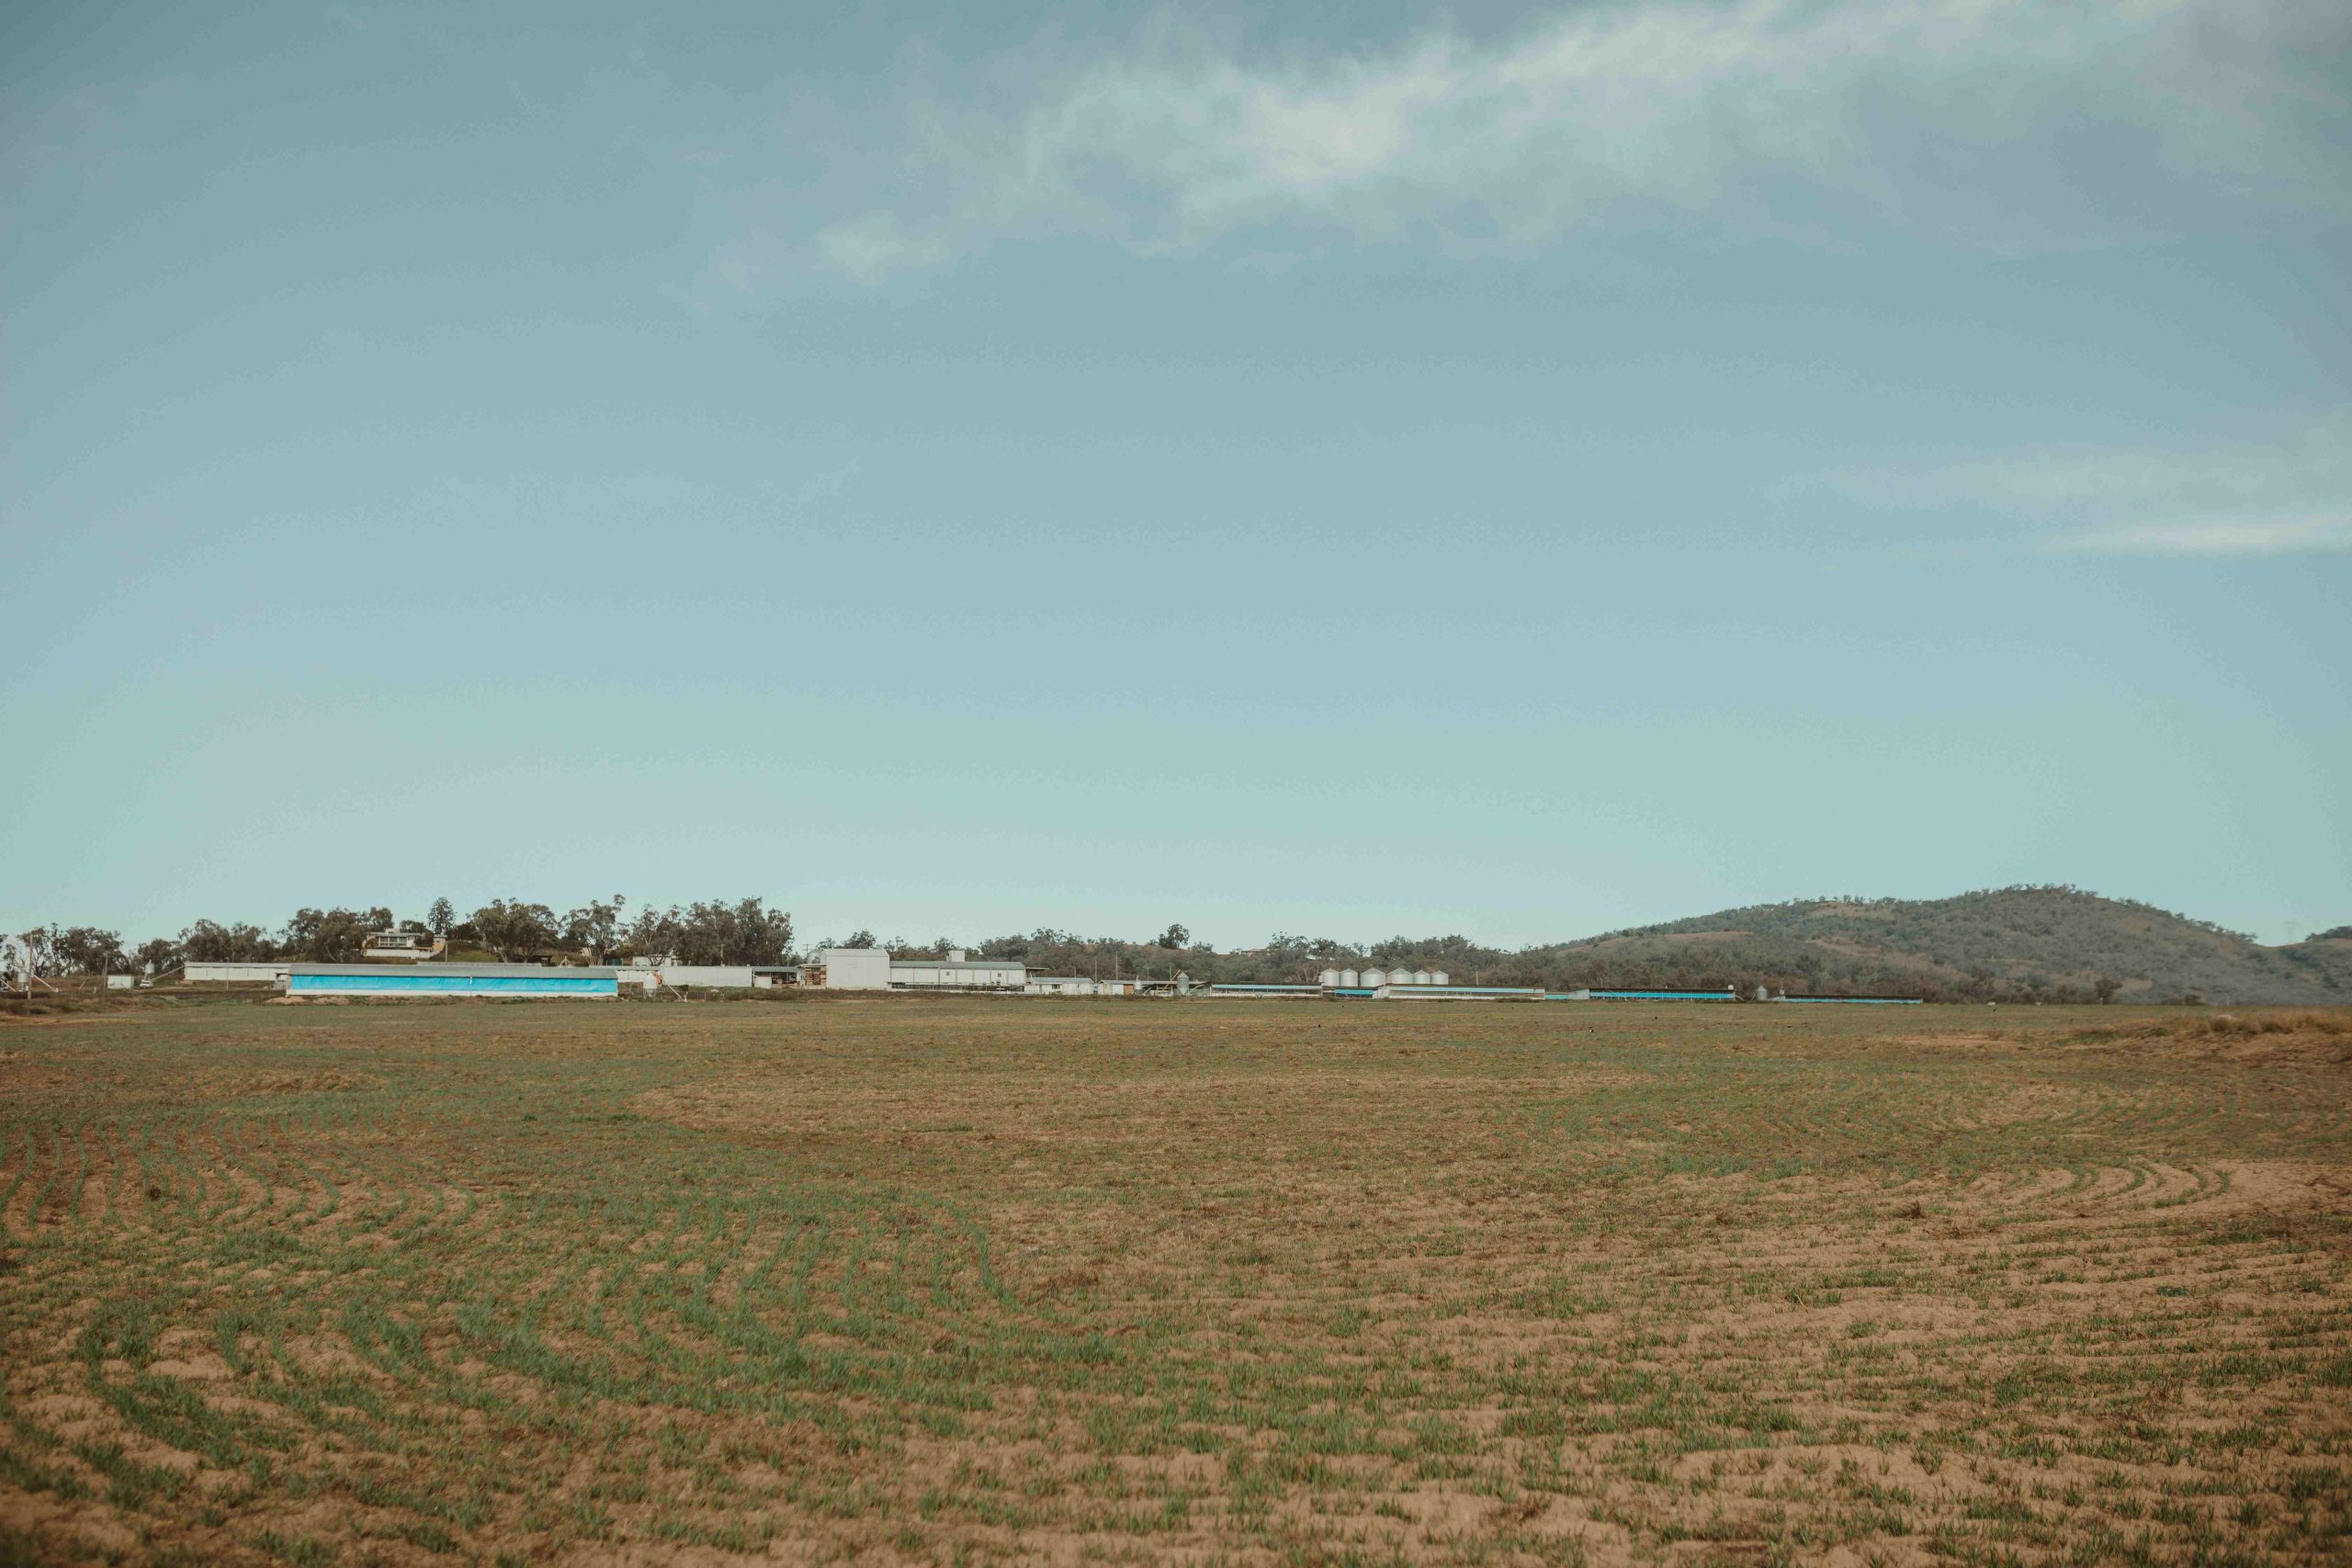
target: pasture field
973 1281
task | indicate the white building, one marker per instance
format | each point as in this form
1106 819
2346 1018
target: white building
850 968
1078 985
731 977
224 972
958 973
401 947
873 969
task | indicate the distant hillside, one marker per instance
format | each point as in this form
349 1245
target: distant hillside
2005 941
2016 943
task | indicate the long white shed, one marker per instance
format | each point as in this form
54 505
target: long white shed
266 972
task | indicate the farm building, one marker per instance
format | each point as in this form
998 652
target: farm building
401 947
1078 985
449 980
873 969
725 976
956 972
267 972
850 969
717 976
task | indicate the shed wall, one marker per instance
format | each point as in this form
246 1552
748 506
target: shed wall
433 983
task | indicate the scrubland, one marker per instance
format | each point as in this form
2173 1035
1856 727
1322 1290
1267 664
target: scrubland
970 1280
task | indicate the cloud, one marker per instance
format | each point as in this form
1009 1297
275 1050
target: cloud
2233 537
871 247
2009 124
2294 470
2279 496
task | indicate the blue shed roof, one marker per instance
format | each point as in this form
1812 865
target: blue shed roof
454 971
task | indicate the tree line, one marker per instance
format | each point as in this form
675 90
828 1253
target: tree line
716 931
749 930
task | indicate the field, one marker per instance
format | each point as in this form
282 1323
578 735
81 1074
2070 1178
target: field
965 1281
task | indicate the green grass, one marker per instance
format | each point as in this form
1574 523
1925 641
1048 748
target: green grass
953 1280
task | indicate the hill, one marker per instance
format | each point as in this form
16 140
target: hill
2009 940
2010 943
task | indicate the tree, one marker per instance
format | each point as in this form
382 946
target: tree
331 936
859 937
1174 936
509 928
86 950
596 926
40 951
158 955
654 934
209 941
746 931
440 918
2105 988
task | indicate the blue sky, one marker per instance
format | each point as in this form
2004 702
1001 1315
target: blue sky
1522 473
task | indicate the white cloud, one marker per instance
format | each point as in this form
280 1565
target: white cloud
2272 497
2290 471
2229 537
871 247
2003 123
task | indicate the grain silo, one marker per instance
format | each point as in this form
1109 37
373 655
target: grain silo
1349 979
1328 979
1440 978
1423 977
1375 978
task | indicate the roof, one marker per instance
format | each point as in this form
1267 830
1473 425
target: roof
461 971
957 964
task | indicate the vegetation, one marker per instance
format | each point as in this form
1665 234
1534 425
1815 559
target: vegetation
2019 944
969 1281
2036 943
718 932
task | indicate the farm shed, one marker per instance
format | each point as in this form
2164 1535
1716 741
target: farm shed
956 972
850 968
1076 986
873 969
450 980
727 976
268 972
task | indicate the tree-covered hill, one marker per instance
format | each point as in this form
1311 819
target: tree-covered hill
2004 940
2017 944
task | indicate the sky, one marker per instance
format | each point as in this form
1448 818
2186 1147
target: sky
1346 469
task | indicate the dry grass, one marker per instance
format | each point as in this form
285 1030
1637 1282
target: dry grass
2230 1025
938 1280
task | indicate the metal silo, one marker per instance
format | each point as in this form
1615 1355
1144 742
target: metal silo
1375 978
1423 978
1440 978
1348 979
1327 979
